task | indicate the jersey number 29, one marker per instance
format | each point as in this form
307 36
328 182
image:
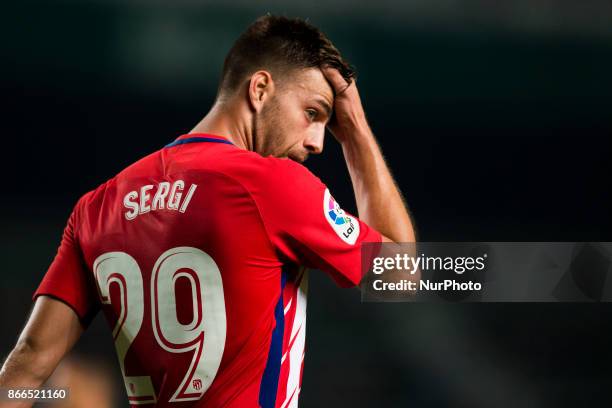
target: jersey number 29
204 335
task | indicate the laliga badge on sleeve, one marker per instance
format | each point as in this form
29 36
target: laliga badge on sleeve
345 226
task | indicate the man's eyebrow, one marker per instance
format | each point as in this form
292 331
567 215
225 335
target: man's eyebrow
325 105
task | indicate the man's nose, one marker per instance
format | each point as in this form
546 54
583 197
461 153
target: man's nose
314 142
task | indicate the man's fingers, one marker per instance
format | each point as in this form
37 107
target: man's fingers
336 80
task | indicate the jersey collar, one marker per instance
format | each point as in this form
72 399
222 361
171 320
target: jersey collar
198 138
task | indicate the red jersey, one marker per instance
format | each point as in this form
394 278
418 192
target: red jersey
197 256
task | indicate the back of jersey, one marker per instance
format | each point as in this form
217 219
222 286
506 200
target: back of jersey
192 254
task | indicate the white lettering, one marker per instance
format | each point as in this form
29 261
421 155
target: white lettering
188 198
128 203
144 197
160 196
175 195
165 197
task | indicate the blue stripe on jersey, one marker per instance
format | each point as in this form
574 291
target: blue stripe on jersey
269 381
197 139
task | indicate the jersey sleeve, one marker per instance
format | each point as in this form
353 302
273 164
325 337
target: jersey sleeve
67 278
307 226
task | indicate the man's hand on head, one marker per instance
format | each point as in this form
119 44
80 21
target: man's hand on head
379 201
349 115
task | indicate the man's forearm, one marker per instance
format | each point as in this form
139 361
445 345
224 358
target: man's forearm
379 201
21 370
24 367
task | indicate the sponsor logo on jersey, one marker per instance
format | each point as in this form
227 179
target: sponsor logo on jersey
345 226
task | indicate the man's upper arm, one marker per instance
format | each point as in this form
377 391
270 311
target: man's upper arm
307 226
51 330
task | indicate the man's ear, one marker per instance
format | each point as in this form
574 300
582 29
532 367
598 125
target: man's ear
261 87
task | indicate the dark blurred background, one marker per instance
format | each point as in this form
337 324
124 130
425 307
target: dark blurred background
494 116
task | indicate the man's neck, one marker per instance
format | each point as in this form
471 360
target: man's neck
226 120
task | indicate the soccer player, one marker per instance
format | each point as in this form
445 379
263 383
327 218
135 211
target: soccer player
197 253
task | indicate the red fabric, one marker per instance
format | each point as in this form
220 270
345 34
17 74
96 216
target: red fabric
253 216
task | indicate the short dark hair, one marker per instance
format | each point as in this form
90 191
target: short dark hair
280 44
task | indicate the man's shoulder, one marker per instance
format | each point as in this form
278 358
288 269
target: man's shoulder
92 196
257 172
